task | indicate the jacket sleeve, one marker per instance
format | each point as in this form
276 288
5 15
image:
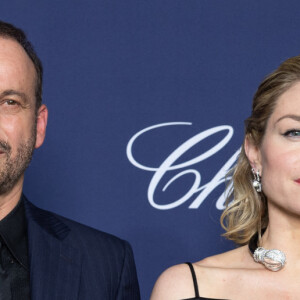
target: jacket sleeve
128 287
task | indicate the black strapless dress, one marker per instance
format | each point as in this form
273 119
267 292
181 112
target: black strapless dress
197 296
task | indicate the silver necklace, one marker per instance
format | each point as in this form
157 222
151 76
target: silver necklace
274 259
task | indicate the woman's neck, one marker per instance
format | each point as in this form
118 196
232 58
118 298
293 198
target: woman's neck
283 233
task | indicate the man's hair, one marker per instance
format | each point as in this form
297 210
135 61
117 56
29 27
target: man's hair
9 31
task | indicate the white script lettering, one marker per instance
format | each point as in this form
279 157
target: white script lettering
169 164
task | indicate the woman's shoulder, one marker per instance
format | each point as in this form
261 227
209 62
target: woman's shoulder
211 273
174 283
233 259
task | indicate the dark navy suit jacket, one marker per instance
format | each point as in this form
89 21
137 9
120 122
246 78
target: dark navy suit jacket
70 261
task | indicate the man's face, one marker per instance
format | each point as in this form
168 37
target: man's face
19 134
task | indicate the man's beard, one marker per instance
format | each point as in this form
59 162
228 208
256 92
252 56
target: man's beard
11 169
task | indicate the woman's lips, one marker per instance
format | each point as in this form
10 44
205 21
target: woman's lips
297 180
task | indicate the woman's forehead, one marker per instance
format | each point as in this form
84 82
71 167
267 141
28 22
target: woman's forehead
288 103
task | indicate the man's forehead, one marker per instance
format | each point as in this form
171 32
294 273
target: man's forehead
16 68
10 48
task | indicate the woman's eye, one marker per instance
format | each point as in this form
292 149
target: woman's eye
292 133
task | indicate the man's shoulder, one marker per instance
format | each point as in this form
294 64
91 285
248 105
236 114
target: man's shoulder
106 262
72 231
88 232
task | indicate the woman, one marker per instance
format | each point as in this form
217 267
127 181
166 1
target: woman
263 209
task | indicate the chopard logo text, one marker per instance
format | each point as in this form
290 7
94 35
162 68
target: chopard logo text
197 188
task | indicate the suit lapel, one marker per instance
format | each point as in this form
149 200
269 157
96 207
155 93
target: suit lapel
54 265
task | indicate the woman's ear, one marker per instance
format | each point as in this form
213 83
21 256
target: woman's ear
253 153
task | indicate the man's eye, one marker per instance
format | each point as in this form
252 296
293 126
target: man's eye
9 106
292 133
11 102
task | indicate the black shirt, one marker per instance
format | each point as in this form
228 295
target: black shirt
14 266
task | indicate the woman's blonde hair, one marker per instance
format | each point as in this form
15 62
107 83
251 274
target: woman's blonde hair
246 211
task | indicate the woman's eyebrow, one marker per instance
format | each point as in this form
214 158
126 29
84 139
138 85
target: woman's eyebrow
294 117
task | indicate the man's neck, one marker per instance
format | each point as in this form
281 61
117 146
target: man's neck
9 200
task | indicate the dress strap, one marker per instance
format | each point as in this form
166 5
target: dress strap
194 279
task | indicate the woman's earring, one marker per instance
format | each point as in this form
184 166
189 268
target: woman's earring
256 181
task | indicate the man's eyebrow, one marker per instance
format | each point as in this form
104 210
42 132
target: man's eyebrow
294 117
14 93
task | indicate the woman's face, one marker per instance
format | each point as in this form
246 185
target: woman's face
278 157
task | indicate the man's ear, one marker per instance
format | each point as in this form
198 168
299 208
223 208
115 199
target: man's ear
41 124
253 153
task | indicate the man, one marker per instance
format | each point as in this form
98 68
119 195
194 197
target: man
42 255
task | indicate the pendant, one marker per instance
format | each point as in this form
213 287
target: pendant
274 260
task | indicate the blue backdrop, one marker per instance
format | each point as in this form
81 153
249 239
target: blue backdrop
147 101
